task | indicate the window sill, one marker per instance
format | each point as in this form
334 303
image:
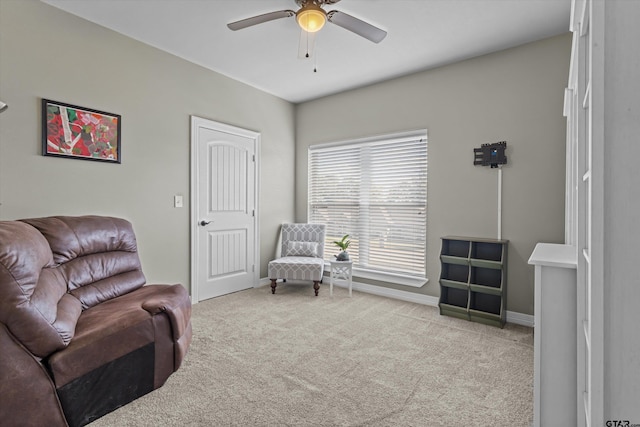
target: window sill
400 279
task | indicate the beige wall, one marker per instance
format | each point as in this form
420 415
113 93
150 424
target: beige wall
514 95
47 53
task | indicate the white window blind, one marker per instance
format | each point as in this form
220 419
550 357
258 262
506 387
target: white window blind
375 191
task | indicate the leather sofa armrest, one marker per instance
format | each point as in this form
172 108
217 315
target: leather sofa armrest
175 302
28 394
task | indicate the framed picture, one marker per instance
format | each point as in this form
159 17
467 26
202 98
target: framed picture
79 133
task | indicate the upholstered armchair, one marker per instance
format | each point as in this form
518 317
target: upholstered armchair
302 252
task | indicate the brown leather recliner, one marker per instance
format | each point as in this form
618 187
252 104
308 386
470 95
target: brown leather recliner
80 333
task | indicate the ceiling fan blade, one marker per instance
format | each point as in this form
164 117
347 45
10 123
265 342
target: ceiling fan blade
356 25
259 19
307 43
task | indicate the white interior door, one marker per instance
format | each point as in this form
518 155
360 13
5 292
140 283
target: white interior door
224 204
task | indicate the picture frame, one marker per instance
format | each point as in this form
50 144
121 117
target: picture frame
75 132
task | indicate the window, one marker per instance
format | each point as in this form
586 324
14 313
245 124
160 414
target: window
375 190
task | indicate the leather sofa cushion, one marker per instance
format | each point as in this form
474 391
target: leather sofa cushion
105 333
96 256
33 300
71 237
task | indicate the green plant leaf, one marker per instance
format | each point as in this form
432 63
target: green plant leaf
343 243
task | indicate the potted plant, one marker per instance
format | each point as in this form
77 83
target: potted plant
343 244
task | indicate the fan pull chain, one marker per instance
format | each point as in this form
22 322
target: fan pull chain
315 60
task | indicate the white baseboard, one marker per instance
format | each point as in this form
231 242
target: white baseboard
395 294
512 316
263 281
520 318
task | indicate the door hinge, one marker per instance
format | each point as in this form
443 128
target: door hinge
254 158
253 268
253 213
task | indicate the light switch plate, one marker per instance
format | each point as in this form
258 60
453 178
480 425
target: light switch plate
177 201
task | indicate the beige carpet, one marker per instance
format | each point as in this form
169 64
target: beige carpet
292 359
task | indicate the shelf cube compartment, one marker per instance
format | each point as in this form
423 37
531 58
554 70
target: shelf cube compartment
455 248
485 303
486 277
455 272
454 302
487 251
455 297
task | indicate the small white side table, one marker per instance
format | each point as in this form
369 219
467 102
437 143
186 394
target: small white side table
341 270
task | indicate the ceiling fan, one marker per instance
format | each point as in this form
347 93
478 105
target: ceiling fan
311 17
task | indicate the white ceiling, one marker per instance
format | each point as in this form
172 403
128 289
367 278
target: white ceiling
422 34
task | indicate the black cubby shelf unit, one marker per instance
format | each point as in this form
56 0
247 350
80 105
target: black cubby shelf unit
473 279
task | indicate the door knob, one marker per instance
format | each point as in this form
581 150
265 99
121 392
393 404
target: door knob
203 222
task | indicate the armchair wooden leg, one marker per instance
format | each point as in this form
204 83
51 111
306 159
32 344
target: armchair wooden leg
316 286
273 286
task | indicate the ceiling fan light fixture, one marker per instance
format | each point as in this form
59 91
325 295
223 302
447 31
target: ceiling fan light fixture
311 18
